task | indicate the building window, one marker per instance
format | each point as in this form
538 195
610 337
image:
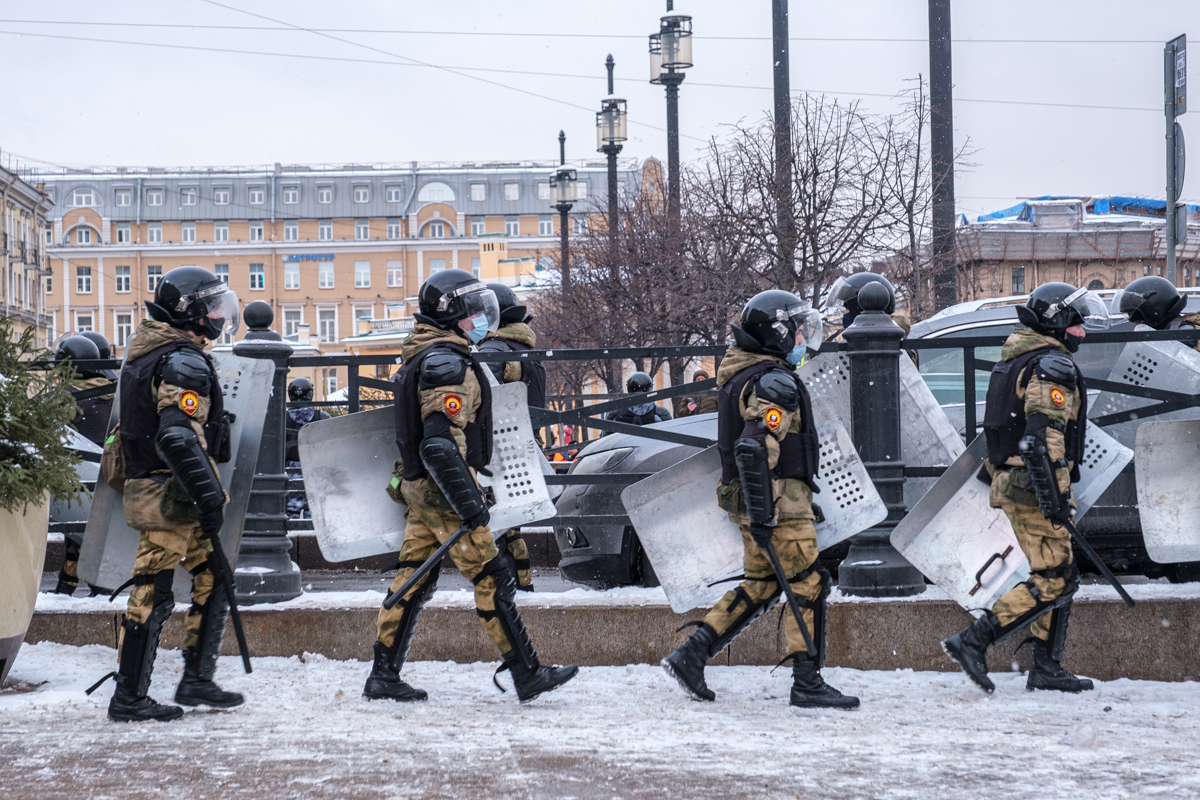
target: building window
512 226
578 224
187 197
477 226
475 266
83 322
154 197
512 191
395 273
545 263
327 326
436 265
291 195
325 230
291 231
436 230
479 192
257 195
258 277
393 229
123 198
543 191
221 196
362 274
393 194
1018 280
581 188
189 231
83 236
153 276
291 275
154 233
325 275
256 231
325 194
49 284
545 226
293 318
330 382
362 312
362 194
124 328
123 233
1097 285
362 230
220 231
49 234
83 280
436 192
222 271
124 283
84 197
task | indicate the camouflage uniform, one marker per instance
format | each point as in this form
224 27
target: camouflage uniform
1045 545
1194 321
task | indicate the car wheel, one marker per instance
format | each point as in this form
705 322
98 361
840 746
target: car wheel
641 573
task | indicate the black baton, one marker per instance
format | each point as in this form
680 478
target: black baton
423 570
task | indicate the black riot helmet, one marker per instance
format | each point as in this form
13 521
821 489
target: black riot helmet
1152 300
452 295
511 309
843 295
639 382
770 321
100 342
194 299
1054 307
79 348
300 390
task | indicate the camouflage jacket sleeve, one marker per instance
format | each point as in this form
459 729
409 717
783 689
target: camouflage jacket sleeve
1060 404
512 371
189 401
793 497
459 403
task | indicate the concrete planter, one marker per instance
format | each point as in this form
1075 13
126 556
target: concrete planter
22 553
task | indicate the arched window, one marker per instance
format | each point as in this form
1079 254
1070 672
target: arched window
1096 285
436 192
85 197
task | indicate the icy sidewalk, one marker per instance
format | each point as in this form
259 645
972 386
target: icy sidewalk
613 732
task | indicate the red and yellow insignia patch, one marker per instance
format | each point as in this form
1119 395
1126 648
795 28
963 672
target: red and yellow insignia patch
453 404
189 403
773 418
1057 397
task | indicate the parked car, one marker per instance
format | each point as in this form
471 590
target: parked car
610 555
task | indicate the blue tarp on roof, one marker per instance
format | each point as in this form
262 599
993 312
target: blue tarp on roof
1116 204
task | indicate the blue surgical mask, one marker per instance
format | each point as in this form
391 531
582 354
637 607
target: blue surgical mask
642 409
796 357
477 334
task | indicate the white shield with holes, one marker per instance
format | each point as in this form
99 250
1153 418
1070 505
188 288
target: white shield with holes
1169 505
348 461
1171 366
109 545
692 543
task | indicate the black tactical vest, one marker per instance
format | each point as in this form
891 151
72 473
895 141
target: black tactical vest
139 410
1004 420
626 415
410 428
533 373
92 419
799 453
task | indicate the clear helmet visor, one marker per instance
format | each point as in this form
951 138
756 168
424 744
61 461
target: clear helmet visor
1125 302
1093 310
223 310
839 293
482 302
809 330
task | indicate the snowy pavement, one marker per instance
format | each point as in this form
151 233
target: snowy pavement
613 732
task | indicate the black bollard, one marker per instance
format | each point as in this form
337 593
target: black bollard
265 572
872 567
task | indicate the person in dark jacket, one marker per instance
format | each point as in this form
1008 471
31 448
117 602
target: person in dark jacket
641 413
300 390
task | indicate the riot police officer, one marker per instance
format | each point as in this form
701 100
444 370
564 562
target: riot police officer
515 335
1036 427
173 430
105 349
843 298
767 439
300 390
641 413
444 432
1154 301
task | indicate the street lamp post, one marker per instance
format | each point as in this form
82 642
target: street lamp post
611 131
670 54
562 191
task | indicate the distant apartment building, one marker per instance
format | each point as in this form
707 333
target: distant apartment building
328 247
22 256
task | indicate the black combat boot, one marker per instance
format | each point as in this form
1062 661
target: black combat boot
1047 672
197 687
67 583
809 689
686 664
530 678
969 649
384 682
130 702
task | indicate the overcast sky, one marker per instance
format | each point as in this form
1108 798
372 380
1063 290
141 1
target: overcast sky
71 99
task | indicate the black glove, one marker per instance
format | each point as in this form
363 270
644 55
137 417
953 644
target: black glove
761 534
1062 516
818 514
211 522
479 520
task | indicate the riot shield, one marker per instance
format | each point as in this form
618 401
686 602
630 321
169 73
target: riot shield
1166 456
968 548
348 461
927 438
1156 365
77 510
692 543
109 545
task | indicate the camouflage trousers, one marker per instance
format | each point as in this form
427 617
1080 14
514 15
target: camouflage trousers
160 551
516 547
1046 547
427 528
795 542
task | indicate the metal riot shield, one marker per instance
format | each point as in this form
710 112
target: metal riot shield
77 510
927 438
348 461
109 545
692 543
1166 456
1156 365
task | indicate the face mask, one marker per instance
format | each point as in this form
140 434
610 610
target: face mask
477 334
797 355
213 328
1072 342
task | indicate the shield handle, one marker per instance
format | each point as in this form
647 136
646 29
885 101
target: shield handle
984 568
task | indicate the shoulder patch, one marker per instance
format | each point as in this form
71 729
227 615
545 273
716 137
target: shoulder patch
1057 368
187 368
772 418
778 387
442 368
189 403
453 404
1058 397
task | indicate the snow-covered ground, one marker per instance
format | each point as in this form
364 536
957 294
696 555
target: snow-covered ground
613 732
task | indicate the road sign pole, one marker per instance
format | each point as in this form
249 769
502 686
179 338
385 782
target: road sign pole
1175 103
